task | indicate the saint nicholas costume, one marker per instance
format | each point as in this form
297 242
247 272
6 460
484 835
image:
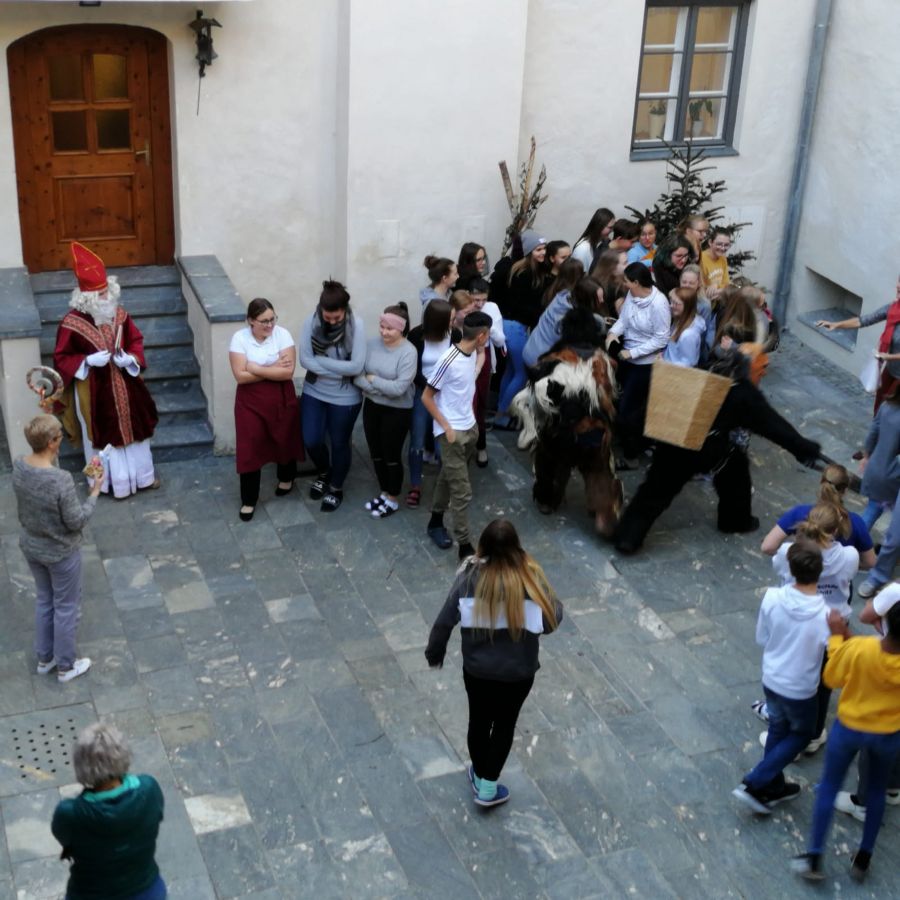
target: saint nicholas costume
106 406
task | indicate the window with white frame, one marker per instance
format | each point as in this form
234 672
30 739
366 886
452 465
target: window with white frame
691 60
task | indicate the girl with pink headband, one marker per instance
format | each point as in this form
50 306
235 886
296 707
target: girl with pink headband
387 385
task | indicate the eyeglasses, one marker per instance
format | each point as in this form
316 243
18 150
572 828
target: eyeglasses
266 323
683 255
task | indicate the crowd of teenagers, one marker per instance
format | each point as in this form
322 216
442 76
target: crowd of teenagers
427 390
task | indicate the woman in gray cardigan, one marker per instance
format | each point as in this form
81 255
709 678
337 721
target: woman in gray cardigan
387 384
52 518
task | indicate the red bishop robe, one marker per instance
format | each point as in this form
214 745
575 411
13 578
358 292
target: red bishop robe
122 411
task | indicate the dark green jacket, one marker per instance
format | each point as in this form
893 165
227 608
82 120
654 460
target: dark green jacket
111 839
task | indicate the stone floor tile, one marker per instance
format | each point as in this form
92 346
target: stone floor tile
26 820
216 812
197 888
308 869
348 714
163 652
276 804
131 581
289 609
41 879
370 865
172 690
236 862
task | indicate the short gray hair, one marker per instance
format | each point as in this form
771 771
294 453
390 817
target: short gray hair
100 754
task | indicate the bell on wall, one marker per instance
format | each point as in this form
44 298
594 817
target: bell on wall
202 28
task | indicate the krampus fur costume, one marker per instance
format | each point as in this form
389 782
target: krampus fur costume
567 414
722 454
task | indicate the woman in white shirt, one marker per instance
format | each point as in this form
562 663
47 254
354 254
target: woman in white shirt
266 411
642 332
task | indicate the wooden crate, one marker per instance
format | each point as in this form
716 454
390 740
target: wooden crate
683 404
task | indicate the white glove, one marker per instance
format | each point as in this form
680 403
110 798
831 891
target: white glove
124 360
98 359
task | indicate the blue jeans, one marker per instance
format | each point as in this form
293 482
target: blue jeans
319 420
419 427
883 571
514 377
843 744
156 891
792 725
872 513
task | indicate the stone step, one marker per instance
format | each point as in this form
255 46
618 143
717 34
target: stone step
170 442
132 276
162 331
154 300
162 363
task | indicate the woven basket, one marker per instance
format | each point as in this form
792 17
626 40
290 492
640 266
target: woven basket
683 404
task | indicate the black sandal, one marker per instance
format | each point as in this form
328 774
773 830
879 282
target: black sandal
332 500
246 516
283 492
317 488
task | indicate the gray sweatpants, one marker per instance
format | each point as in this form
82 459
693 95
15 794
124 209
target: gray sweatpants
58 609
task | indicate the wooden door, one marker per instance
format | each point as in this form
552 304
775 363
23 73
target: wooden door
93 148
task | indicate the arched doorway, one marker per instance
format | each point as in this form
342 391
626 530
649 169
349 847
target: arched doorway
90 106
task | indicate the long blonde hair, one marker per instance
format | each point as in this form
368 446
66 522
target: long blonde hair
822 524
507 577
832 487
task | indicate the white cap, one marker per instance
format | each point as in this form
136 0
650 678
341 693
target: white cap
886 598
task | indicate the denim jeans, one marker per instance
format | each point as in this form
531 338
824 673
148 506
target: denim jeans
792 725
873 512
420 425
843 744
58 608
320 420
514 377
883 571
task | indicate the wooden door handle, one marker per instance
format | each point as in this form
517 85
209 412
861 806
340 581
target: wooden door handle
145 152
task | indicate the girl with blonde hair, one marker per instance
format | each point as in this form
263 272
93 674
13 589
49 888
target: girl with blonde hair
852 531
502 601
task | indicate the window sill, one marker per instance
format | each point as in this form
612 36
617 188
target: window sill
845 338
709 150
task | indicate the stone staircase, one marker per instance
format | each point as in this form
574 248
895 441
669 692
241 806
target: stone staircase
152 296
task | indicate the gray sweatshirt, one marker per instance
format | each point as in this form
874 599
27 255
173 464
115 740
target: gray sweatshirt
880 315
50 512
335 372
393 369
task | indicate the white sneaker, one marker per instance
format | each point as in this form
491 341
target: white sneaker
815 743
47 667
843 802
79 667
892 798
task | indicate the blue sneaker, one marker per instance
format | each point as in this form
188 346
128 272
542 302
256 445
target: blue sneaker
474 780
501 796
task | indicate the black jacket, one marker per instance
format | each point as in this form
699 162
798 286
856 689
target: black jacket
494 656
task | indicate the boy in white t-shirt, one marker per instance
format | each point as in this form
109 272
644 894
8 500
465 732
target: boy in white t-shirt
448 398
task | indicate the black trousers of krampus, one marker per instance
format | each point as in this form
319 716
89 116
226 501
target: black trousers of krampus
673 467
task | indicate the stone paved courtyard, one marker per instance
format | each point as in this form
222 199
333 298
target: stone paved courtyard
271 676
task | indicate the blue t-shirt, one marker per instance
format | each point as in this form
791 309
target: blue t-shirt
859 534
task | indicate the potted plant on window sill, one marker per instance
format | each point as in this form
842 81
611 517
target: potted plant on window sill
695 111
657 119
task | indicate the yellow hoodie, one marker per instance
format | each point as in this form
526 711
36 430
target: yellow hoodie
869 680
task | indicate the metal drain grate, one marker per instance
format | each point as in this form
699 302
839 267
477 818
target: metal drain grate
35 747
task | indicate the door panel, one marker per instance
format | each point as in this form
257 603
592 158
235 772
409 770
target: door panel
85 155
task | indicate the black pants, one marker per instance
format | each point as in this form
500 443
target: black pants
493 711
634 380
386 428
250 481
671 469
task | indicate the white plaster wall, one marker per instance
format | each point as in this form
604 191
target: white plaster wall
853 195
254 172
19 406
434 98
581 75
